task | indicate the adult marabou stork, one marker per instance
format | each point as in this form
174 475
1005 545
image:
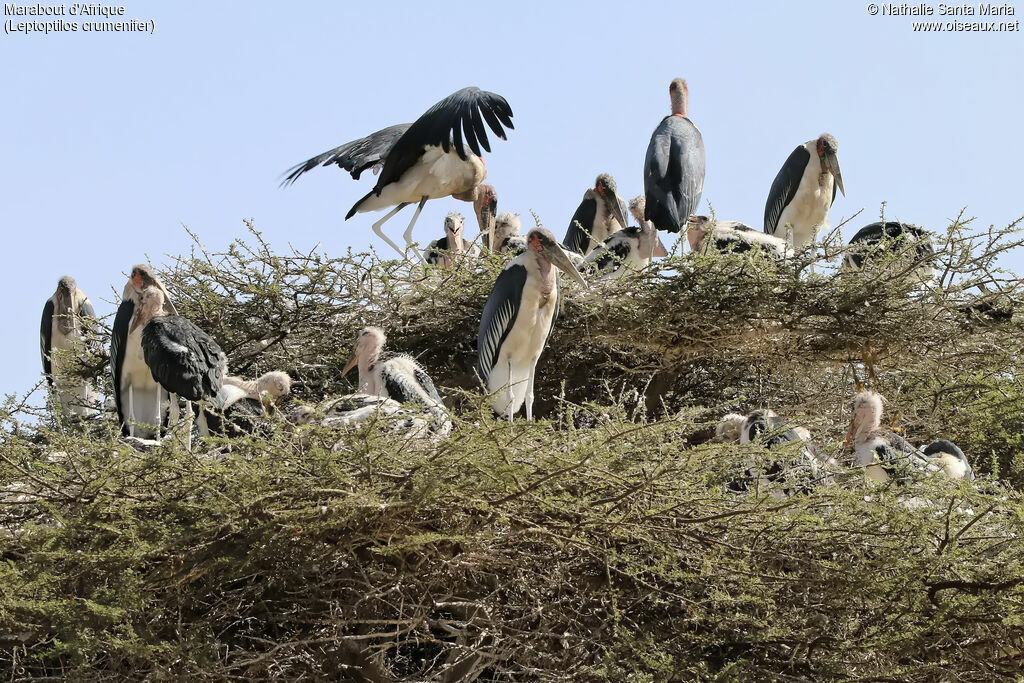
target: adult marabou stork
891 237
137 395
950 459
803 192
674 166
703 233
600 214
61 329
445 251
517 322
396 376
426 159
182 358
883 454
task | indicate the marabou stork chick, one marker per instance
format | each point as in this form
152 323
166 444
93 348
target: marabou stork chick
396 376
245 403
808 469
674 166
357 409
638 207
599 215
445 251
704 233
803 192
517 322
182 358
274 384
950 459
628 249
728 428
883 454
426 159
901 241
61 329
137 395
508 236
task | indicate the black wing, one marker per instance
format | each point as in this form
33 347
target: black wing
428 384
577 237
673 173
400 386
85 309
183 359
354 157
434 255
118 341
614 252
443 124
45 332
499 316
784 188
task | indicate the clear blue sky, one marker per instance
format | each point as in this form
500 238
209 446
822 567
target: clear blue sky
111 142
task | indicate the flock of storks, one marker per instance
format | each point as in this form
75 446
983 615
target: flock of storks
157 356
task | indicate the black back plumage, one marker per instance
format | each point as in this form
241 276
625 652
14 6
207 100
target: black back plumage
184 360
673 173
499 316
784 187
354 157
577 237
118 341
898 235
399 388
435 255
615 250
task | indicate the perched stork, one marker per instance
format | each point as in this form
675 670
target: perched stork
396 376
60 330
883 454
628 249
426 159
948 456
445 251
703 233
600 214
518 319
182 358
674 167
891 237
244 404
137 396
803 192
508 238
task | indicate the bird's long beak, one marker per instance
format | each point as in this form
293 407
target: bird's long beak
659 248
561 260
617 210
832 164
488 217
848 444
351 364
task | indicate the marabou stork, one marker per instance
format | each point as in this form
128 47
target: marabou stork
628 249
137 395
950 459
396 376
356 409
518 319
182 358
61 329
600 214
891 237
883 454
728 428
485 208
243 404
803 192
674 166
508 238
810 467
445 251
426 159
703 233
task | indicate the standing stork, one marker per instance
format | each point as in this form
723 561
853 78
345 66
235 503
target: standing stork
396 376
61 329
426 159
703 233
182 358
517 322
445 251
883 454
137 395
803 192
600 214
674 166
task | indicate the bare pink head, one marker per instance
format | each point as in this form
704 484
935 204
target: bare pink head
680 95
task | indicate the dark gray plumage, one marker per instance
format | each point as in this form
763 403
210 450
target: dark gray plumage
872 238
948 456
183 359
354 157
674 166
500 315
600 214
784 187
